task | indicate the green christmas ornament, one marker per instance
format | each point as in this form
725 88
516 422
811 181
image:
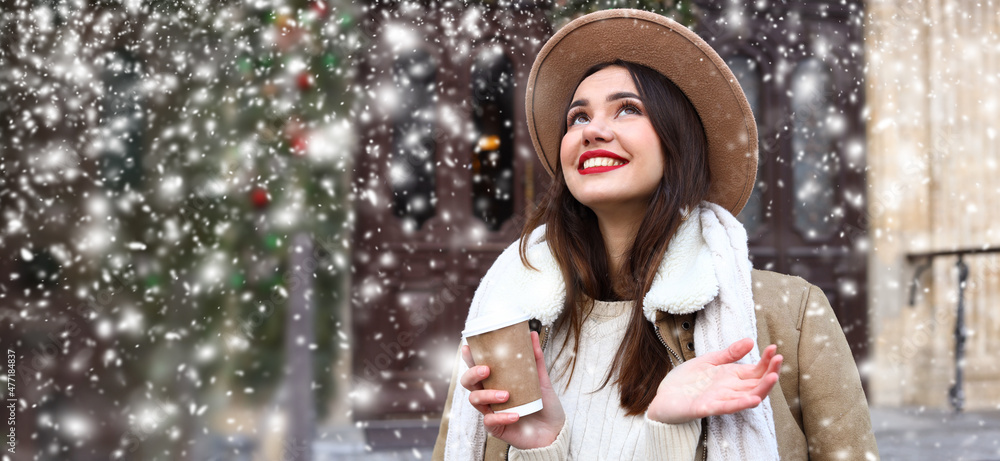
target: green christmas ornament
245 64
268 16
272 241
329 61
265 62
346 20
237 279
152 281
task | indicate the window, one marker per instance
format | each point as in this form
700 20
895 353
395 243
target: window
815 162
412 167
493 153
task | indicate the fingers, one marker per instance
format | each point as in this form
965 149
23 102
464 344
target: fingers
758 389
499 419
488 397
765 359
739 349
482 399
467 356
479 397
473 377
764 366
775 366
741 403
543 374
770 377
765 385
734 352
769 363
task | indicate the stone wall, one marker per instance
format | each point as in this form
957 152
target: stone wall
934 115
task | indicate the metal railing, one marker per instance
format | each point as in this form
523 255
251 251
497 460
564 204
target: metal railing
956 395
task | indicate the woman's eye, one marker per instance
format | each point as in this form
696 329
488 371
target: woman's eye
629 110
577 119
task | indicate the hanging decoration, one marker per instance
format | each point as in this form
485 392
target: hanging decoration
306 81
152 281
272 241
329 61
299 144
245 65
318 7
260 198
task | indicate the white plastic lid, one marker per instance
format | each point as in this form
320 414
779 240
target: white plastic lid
526 409
480 325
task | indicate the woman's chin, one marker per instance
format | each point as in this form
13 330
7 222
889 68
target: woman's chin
614 205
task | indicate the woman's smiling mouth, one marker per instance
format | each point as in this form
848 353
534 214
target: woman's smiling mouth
600 161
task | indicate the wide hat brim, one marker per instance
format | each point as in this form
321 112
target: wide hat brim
673 50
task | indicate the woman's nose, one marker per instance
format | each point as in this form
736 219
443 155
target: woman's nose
597 131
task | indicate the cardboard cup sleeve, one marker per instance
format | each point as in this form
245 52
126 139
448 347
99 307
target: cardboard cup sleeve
504 345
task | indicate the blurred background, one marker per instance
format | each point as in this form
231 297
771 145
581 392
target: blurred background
251 230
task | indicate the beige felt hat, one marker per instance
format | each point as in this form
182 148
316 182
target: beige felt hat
669 48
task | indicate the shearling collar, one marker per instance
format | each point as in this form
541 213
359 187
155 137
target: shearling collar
685 282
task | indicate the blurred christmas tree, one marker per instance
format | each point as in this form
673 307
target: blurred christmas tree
191 143
271 123
258 135
564 11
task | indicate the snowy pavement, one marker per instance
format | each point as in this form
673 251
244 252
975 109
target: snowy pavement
347 443
909 434
938 435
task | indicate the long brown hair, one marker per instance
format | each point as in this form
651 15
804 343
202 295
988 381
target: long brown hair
575 240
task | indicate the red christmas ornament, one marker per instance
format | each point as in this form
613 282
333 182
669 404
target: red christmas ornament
299 145
306 81
259 197
318 7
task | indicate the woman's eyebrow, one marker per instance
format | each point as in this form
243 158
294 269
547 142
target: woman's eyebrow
611 97
622 95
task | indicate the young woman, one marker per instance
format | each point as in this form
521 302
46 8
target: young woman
658 339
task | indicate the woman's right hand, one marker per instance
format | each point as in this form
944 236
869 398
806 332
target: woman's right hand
532 431
714 384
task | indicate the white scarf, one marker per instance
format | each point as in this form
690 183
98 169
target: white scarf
706 267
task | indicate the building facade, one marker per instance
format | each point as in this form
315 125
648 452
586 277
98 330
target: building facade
932 125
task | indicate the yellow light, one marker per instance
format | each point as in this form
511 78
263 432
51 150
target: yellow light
489 142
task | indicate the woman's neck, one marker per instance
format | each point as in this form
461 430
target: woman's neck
618 234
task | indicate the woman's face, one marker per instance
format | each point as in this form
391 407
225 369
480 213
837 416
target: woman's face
611 157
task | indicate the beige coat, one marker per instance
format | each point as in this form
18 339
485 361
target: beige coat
820 410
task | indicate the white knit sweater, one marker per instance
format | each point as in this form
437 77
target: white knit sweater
596 426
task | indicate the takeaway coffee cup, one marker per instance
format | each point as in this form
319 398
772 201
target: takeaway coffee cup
503 343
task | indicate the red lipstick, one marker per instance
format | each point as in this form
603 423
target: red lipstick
599 169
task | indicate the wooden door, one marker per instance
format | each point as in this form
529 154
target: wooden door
801 66
446 174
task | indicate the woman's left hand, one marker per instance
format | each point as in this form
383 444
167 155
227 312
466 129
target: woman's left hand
713 385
